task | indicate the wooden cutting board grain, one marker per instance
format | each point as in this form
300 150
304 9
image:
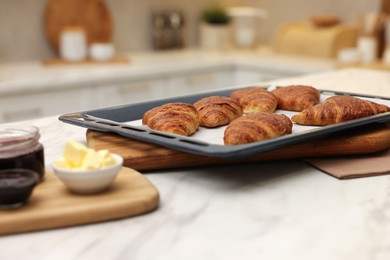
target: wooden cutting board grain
145 156
52 205
92 15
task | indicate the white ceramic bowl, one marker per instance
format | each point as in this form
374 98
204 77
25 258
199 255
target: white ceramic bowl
101 51
89 181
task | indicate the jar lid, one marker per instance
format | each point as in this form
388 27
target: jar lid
17 137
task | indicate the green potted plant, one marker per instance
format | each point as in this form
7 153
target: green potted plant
215 14
214 29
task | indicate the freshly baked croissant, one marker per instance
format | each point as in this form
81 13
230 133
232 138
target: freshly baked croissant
175 118
296 97
216 111
256 127
255 99
338 109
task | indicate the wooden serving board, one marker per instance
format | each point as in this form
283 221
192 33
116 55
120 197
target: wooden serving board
144 156
52 205
92 15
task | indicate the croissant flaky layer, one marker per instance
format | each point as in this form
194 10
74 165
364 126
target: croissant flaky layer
256 127
175 118
338 109
255 99
216 111
296 97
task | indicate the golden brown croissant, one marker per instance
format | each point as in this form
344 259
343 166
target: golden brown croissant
255 99
175 118
296 97
256 127
338 109
216 111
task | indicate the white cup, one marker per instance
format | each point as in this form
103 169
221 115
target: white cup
368 47
101 51
386 56
73 44
349 55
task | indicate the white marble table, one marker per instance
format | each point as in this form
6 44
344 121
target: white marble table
268 210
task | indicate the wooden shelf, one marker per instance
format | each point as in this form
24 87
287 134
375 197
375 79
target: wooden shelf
114 60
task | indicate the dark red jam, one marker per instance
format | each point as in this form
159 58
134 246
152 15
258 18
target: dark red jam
16 186
33 160
20 148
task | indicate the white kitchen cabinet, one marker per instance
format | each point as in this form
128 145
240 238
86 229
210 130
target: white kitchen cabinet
247 76
27 106
163 87
54 102
125 93
199 82
16 106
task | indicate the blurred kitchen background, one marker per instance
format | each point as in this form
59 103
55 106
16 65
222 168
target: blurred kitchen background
22 35
65 56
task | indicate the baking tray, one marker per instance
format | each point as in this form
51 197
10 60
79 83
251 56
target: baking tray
125 121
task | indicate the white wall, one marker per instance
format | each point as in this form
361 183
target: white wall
22 35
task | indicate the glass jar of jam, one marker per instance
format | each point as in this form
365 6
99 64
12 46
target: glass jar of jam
20 148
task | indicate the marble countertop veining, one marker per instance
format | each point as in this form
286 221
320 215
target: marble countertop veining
268 210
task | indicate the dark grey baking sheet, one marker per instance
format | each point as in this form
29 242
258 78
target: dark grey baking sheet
113 119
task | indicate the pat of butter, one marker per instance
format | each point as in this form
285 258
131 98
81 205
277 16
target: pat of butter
91 160
78 156
106 158
63 163
74 153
